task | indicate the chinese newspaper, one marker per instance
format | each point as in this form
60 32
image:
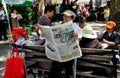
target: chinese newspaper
60 45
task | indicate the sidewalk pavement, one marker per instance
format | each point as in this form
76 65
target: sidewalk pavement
99 27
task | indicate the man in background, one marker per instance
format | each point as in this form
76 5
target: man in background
3 26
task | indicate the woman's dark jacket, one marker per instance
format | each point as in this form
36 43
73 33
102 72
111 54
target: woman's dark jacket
89 43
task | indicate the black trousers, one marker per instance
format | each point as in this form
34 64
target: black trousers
3 30
57 68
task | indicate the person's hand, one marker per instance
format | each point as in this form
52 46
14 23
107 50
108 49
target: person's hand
104 45
5 14
42 35
75 35
37 29
108 42
1 15
19 16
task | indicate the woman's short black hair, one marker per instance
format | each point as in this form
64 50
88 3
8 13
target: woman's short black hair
1 5
49 8
81 20
13 9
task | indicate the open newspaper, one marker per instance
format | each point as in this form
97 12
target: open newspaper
60 45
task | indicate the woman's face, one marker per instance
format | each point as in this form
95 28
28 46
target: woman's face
14 11
67 18
50 14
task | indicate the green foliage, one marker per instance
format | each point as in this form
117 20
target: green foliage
115 13
30 14
22 25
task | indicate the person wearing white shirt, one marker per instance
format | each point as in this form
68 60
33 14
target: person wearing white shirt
3 26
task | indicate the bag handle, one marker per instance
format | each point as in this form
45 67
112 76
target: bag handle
12 53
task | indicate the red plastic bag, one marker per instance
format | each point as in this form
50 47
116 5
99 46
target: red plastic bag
14 66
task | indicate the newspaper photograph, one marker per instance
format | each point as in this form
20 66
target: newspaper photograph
60 45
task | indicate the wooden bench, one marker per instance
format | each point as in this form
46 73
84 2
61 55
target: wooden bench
92 58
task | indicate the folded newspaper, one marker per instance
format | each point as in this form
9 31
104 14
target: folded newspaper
60 45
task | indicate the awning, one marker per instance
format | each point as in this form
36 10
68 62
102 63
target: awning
20 2
14 1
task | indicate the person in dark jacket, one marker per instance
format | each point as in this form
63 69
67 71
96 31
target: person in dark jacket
89 40
110 38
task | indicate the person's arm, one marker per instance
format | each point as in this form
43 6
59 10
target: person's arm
78 33
19 16
39 31
113 43
109 42
101 36
76 37
1 15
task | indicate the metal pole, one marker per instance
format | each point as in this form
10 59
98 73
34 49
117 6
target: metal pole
114 60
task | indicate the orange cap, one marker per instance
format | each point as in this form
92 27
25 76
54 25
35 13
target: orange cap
110 24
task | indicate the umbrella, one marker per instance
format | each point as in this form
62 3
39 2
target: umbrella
25 3
14 1
20 2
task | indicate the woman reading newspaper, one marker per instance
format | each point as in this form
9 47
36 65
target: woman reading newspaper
69 66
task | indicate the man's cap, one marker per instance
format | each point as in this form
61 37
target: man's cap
111 24
69 13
